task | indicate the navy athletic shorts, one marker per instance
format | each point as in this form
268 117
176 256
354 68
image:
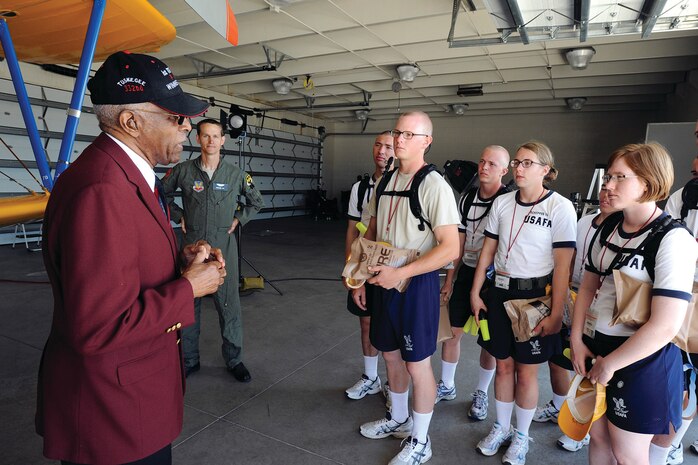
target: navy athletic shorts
459 304
646 396
502 344
372 296
408 321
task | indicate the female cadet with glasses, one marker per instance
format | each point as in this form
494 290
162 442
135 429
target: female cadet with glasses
530 236
640 368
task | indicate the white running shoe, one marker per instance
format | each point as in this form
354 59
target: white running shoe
364 386
570 444
546 413
493 441
478 410
694 446
444 393
413 453
516 453
385 427
675 456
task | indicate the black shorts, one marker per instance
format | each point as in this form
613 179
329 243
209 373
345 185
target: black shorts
502 344
459 304
559 359
372 297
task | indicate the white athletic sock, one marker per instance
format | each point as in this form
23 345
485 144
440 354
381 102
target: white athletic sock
658 455
371 367
421 425
524 417
399 409
558 400
504 410
681 432
448 373
484 379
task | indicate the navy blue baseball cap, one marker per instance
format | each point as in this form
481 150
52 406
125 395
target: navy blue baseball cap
127 78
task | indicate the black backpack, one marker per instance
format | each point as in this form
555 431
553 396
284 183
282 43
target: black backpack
648 248
689 198
462 174
468 200
411 194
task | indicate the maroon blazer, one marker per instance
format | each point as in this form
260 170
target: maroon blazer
110 382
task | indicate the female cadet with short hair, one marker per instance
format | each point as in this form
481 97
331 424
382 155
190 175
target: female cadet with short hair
640 368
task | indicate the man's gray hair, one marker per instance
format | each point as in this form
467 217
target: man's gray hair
108 115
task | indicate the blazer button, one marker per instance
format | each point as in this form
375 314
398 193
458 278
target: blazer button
178 340
179 325
169 330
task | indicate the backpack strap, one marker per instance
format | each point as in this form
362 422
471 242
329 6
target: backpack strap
415 205
648 248
412 194
689 198
364 186
468 200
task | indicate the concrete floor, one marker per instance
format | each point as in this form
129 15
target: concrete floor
302 349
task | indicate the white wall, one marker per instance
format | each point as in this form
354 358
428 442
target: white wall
578 140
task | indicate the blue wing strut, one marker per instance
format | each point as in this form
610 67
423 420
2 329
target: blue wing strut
75 107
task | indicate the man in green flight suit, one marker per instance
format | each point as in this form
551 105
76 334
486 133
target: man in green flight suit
217 197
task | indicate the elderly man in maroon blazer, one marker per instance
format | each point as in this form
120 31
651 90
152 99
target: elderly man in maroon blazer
110 383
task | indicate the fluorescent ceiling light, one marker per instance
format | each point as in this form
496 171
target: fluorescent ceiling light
459 108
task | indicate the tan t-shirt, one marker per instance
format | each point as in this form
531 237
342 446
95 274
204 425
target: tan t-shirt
399 227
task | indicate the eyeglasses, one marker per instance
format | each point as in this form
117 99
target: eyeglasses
606 178
406 134
179 119
526 163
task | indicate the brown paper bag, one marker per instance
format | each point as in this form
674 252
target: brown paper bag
687 337
633 306
365 253
525 314
633 300
445 332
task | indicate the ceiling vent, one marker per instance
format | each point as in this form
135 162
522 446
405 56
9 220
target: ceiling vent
575 103
407 72
282 86
469 91
579 58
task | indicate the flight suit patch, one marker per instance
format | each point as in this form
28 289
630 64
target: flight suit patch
198 186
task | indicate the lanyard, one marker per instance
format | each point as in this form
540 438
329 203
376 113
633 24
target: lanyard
511 230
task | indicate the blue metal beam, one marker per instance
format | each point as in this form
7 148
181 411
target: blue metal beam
88 52
24 105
